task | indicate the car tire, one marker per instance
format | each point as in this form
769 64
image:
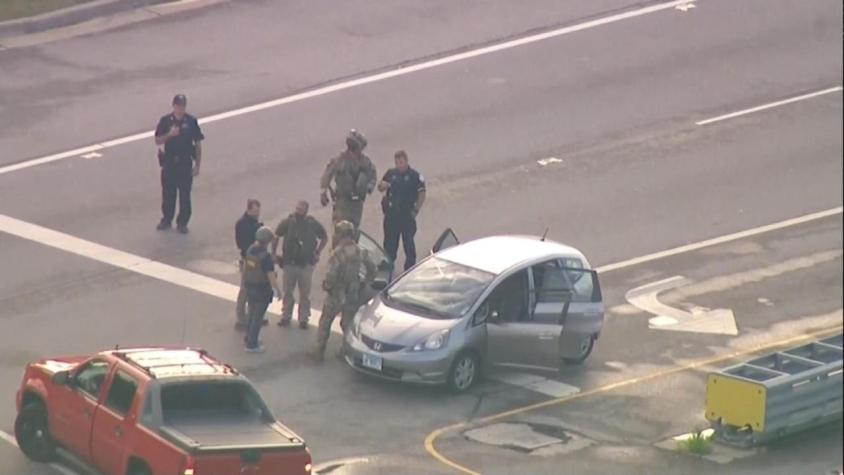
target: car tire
464 372
586 347
32 433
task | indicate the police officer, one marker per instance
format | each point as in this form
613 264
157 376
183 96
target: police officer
244 237
354 177
404 194
181 137
342 283
260 280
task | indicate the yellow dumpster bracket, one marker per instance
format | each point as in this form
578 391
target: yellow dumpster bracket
777 394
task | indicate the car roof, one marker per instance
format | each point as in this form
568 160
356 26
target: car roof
497 254
174 363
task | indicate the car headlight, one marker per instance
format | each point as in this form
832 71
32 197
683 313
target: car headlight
434 341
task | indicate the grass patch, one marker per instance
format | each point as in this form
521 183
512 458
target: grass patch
12 9
698 442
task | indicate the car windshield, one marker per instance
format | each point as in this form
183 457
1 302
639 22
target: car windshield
204 400
438 288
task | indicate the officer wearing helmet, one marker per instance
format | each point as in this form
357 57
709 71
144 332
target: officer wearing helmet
354 177
342 283
260 280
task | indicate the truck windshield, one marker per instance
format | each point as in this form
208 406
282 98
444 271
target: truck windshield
197 400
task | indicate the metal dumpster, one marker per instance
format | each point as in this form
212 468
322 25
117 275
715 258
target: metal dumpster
777 394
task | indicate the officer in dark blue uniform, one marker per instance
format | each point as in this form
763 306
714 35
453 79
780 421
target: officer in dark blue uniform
181 137
404 194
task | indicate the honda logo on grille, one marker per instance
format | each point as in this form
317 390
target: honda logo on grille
377 346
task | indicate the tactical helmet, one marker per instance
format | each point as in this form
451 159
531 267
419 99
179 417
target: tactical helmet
264 234
355 140
344 229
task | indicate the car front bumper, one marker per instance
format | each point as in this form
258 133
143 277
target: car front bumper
424 367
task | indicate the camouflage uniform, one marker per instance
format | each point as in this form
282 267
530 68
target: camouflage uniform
343 286
354 177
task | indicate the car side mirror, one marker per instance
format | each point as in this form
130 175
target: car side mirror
61 378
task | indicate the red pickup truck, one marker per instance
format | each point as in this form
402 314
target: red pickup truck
153 411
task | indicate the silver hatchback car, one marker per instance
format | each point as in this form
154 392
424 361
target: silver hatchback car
499 301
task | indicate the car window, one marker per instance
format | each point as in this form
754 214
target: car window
121 393
89 379
509 298
147 415
549 282
373 249
563 280
437 288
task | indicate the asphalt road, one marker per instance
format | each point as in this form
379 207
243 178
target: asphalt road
616 103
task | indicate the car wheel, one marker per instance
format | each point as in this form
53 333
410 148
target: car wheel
33 433
584 349
464 371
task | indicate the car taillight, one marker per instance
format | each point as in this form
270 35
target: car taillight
308 468
189 467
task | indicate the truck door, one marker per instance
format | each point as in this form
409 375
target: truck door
113 424
76 403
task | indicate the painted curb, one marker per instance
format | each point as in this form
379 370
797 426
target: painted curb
71 16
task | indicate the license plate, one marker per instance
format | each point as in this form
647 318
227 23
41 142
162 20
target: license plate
372 362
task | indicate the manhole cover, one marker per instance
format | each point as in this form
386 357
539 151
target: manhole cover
514 435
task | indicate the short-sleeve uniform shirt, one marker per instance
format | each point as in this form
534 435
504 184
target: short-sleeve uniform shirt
180 150
404 190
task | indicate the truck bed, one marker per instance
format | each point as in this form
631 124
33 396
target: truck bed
221 433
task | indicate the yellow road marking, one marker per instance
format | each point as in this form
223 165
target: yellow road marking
432 437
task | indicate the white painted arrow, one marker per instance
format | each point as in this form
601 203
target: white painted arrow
699 320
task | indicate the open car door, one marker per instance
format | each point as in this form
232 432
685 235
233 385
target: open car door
447 239
571 298
383 265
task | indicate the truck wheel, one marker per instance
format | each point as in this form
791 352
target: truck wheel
583 351
464 371
33 433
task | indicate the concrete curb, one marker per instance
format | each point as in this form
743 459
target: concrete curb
71 16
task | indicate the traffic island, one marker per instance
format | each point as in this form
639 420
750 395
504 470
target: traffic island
710 449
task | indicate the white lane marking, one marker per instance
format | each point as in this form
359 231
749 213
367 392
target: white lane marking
131 262
701 320
89 156
549 161
727 282
59 468
535 383
8 438
769 105
400 71
721 240
685 8
332 465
